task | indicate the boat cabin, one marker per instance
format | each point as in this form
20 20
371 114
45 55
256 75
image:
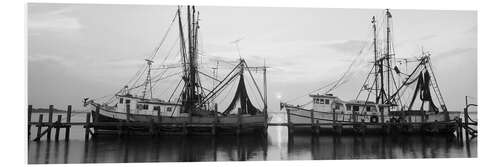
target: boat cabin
330 103
139 105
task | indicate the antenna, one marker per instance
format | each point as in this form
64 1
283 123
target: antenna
148 80
236 42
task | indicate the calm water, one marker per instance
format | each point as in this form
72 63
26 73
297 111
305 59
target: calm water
277 145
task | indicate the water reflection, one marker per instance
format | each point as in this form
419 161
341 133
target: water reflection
379 147
277 145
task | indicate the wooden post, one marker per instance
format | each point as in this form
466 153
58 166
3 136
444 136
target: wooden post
213 128
151 127
460 127
312 120
466 117
87 127
30 110
334 117
216 113
40 122
128 112
382 117
159 116
316 127
354 115
120 128
290 128
68 121
238 128
184 128
58 126
97 113
51 112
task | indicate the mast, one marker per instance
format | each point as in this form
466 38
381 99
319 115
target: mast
388 56
265 93
374 25
190 94
148 81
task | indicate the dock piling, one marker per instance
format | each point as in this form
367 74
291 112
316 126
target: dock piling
87 127
49 130
214 128
184 129
40 122
68 122
97 113
58 126
316 127
312 121
30 110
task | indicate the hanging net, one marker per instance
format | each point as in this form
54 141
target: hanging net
241 101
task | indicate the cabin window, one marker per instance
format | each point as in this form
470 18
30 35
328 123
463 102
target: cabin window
145 107
348 107
169 109
321 101
316 101
337 106
121 100
355 108
156 108
327 101
368 108
127 101
139 106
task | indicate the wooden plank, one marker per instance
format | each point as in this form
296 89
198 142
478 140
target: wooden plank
40 121
41 135
51 113
68 121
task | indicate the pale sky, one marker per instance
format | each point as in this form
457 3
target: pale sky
77 51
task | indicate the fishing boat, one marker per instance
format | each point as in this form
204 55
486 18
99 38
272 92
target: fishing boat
379 105
192 105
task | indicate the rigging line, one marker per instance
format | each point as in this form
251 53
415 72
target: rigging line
255 83
216 87
406 81
364 83
136 74
396 86
178 99
157 80
139 77
349 68
209 76
440 98
221 88
338 81
155 52
169 51
175 90
227 94
162 78
253 97
163 39
368 97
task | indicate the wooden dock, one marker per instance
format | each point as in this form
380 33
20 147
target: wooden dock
44 129
93 128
